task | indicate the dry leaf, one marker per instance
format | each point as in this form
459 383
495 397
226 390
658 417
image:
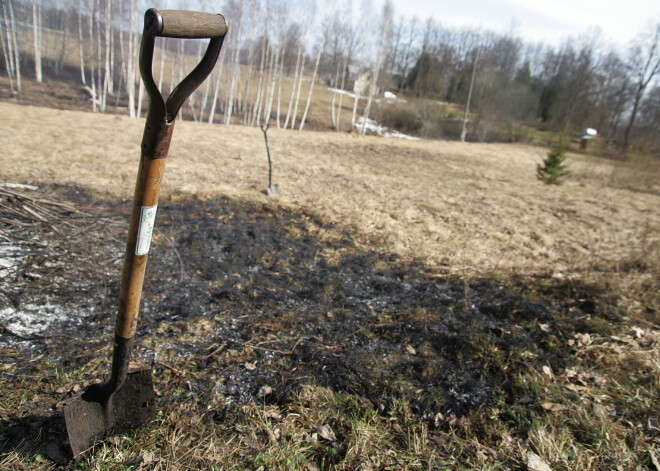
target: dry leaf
554 407
599 411
548 371
311 467
326 433
410 349
250 366
654 460
536 463
147 457
273 414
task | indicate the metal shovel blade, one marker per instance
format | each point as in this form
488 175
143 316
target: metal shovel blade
272 190
91 414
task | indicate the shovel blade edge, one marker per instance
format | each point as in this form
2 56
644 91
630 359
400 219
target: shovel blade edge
89 418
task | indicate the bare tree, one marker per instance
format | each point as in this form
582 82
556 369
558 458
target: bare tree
387 19
299 60
7 49
37 30
254 7
81 43
14 41
132 59
236 69
107 77
216 88
311 85
644 64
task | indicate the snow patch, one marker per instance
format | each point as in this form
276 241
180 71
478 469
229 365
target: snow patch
381 130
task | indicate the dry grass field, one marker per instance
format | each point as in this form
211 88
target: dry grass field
470 217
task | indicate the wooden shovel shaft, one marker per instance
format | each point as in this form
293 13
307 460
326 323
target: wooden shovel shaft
147 189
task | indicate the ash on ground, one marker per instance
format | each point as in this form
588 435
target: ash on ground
260 298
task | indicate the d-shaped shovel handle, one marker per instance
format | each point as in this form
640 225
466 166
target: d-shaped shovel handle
155 146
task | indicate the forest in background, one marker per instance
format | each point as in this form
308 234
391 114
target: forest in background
277 51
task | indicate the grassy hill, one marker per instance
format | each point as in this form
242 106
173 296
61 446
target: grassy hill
430 303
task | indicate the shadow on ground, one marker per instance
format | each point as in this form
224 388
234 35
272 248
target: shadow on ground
252 301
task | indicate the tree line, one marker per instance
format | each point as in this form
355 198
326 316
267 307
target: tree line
277 50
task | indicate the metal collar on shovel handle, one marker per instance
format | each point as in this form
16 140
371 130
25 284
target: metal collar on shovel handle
127 399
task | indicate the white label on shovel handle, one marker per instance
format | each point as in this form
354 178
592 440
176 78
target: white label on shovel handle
145 229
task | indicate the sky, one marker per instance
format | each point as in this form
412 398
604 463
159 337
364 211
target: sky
549 21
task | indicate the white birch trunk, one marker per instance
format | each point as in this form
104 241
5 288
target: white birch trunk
36 29
7 49
379 62
92 13
235 72
249 69
311 86
17 56
100 85
111 78
271 91
293 86
107 76
260 84
279 87
216 89
81 44
356 100
334 97
300 81
131 61
162 64
341 95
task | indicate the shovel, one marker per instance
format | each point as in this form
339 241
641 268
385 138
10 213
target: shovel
272 189
126 400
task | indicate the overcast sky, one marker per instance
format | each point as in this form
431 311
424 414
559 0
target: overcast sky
540 20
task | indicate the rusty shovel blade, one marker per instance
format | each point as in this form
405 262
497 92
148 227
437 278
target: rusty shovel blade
92 413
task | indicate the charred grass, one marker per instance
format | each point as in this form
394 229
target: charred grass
276 342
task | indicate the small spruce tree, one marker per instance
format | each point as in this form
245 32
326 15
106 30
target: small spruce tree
553 168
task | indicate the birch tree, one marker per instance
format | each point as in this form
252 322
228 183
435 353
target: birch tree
107 78
236 69
254 6
387 18
37 30
14 45
7 48
81 44
216 89
311 85
132 59
92 14
299 59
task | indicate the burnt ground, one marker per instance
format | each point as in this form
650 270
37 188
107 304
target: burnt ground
241 296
